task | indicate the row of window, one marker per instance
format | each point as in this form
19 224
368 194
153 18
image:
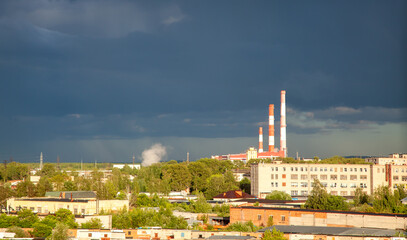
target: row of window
321 169
40 210
332 185
322 177
403 178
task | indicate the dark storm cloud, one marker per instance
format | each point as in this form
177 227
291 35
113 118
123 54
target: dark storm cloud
135 69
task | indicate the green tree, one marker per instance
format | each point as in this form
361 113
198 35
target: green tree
177 176
48 170
26 189
43 186
26 218
65 216
20 233
93 223
242 227
199 175
270 221
60 232
70 186
41 230
201 205
278 195
360 197
273 235
244 184
318 199
8 221
385 201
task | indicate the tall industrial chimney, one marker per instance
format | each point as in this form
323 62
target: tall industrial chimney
271 128
283 125
41 161
260 139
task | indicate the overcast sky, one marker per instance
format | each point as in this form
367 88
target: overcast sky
101 80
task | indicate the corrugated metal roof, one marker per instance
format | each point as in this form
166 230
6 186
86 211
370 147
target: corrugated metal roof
337 231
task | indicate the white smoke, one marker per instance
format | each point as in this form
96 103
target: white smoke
153 155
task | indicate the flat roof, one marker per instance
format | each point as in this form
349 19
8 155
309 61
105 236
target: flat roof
337 231
326 211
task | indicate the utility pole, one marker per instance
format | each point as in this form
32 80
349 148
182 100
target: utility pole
134 158
59 168
187 157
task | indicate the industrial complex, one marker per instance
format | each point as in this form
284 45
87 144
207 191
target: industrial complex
272 152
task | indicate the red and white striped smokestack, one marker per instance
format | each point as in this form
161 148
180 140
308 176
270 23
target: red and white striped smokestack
283 125
260 139
271 128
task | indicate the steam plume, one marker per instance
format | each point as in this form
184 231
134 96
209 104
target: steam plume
153 155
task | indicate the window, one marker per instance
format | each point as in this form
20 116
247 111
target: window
301 169
284 169
292 169
344 177
83 211
105 235
353 185
314 176
272 184
282 218
321 169
294 184
258 217
294 193
304 177
345 169
294 176
283 184
129 233
356 169
333 185
363 177
276 168
365 169
396 178
39 209
344 185
276 176
304 184
363 185
323 177
75 211
344 193
324 184
334 192
32 209
304 193
283 175
351 169
272 176
315 169
272 169
331 169
334 177
353 177
276 184
404 178
325 169
89 234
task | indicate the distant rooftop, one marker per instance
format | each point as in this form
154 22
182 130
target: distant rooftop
71 194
